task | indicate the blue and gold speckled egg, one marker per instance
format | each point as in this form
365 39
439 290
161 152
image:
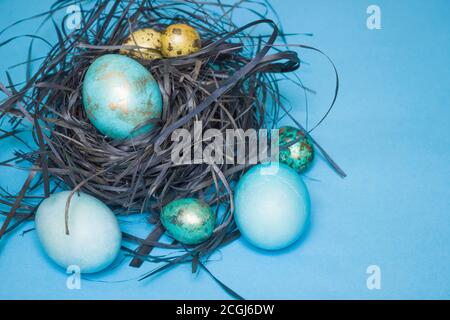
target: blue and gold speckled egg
119 94
188 220
298 156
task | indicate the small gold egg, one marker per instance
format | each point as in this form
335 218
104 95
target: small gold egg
149 41
179 40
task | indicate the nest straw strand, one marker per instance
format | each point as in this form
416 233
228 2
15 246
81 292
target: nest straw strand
231 83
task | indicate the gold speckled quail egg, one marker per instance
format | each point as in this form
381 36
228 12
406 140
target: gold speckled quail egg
149 41
179 40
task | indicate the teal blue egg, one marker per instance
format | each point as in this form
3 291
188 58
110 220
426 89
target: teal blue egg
120 94
188 220
272 206
299 155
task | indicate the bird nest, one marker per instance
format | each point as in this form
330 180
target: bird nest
230 83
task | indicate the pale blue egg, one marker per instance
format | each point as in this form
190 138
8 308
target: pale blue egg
94 238
119 94
272 206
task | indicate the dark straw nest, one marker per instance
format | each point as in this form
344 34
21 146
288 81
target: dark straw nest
231 83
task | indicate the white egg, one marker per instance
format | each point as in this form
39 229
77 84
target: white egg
94 235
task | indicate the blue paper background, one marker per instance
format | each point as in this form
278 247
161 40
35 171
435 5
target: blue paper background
389 131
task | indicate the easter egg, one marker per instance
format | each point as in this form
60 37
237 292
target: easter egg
119 94
188 220
149 42
179 40
272 206
94 236
299 155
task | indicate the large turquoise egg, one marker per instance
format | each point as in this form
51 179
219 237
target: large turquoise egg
299 155
188 220
272 206
119 94
94 237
